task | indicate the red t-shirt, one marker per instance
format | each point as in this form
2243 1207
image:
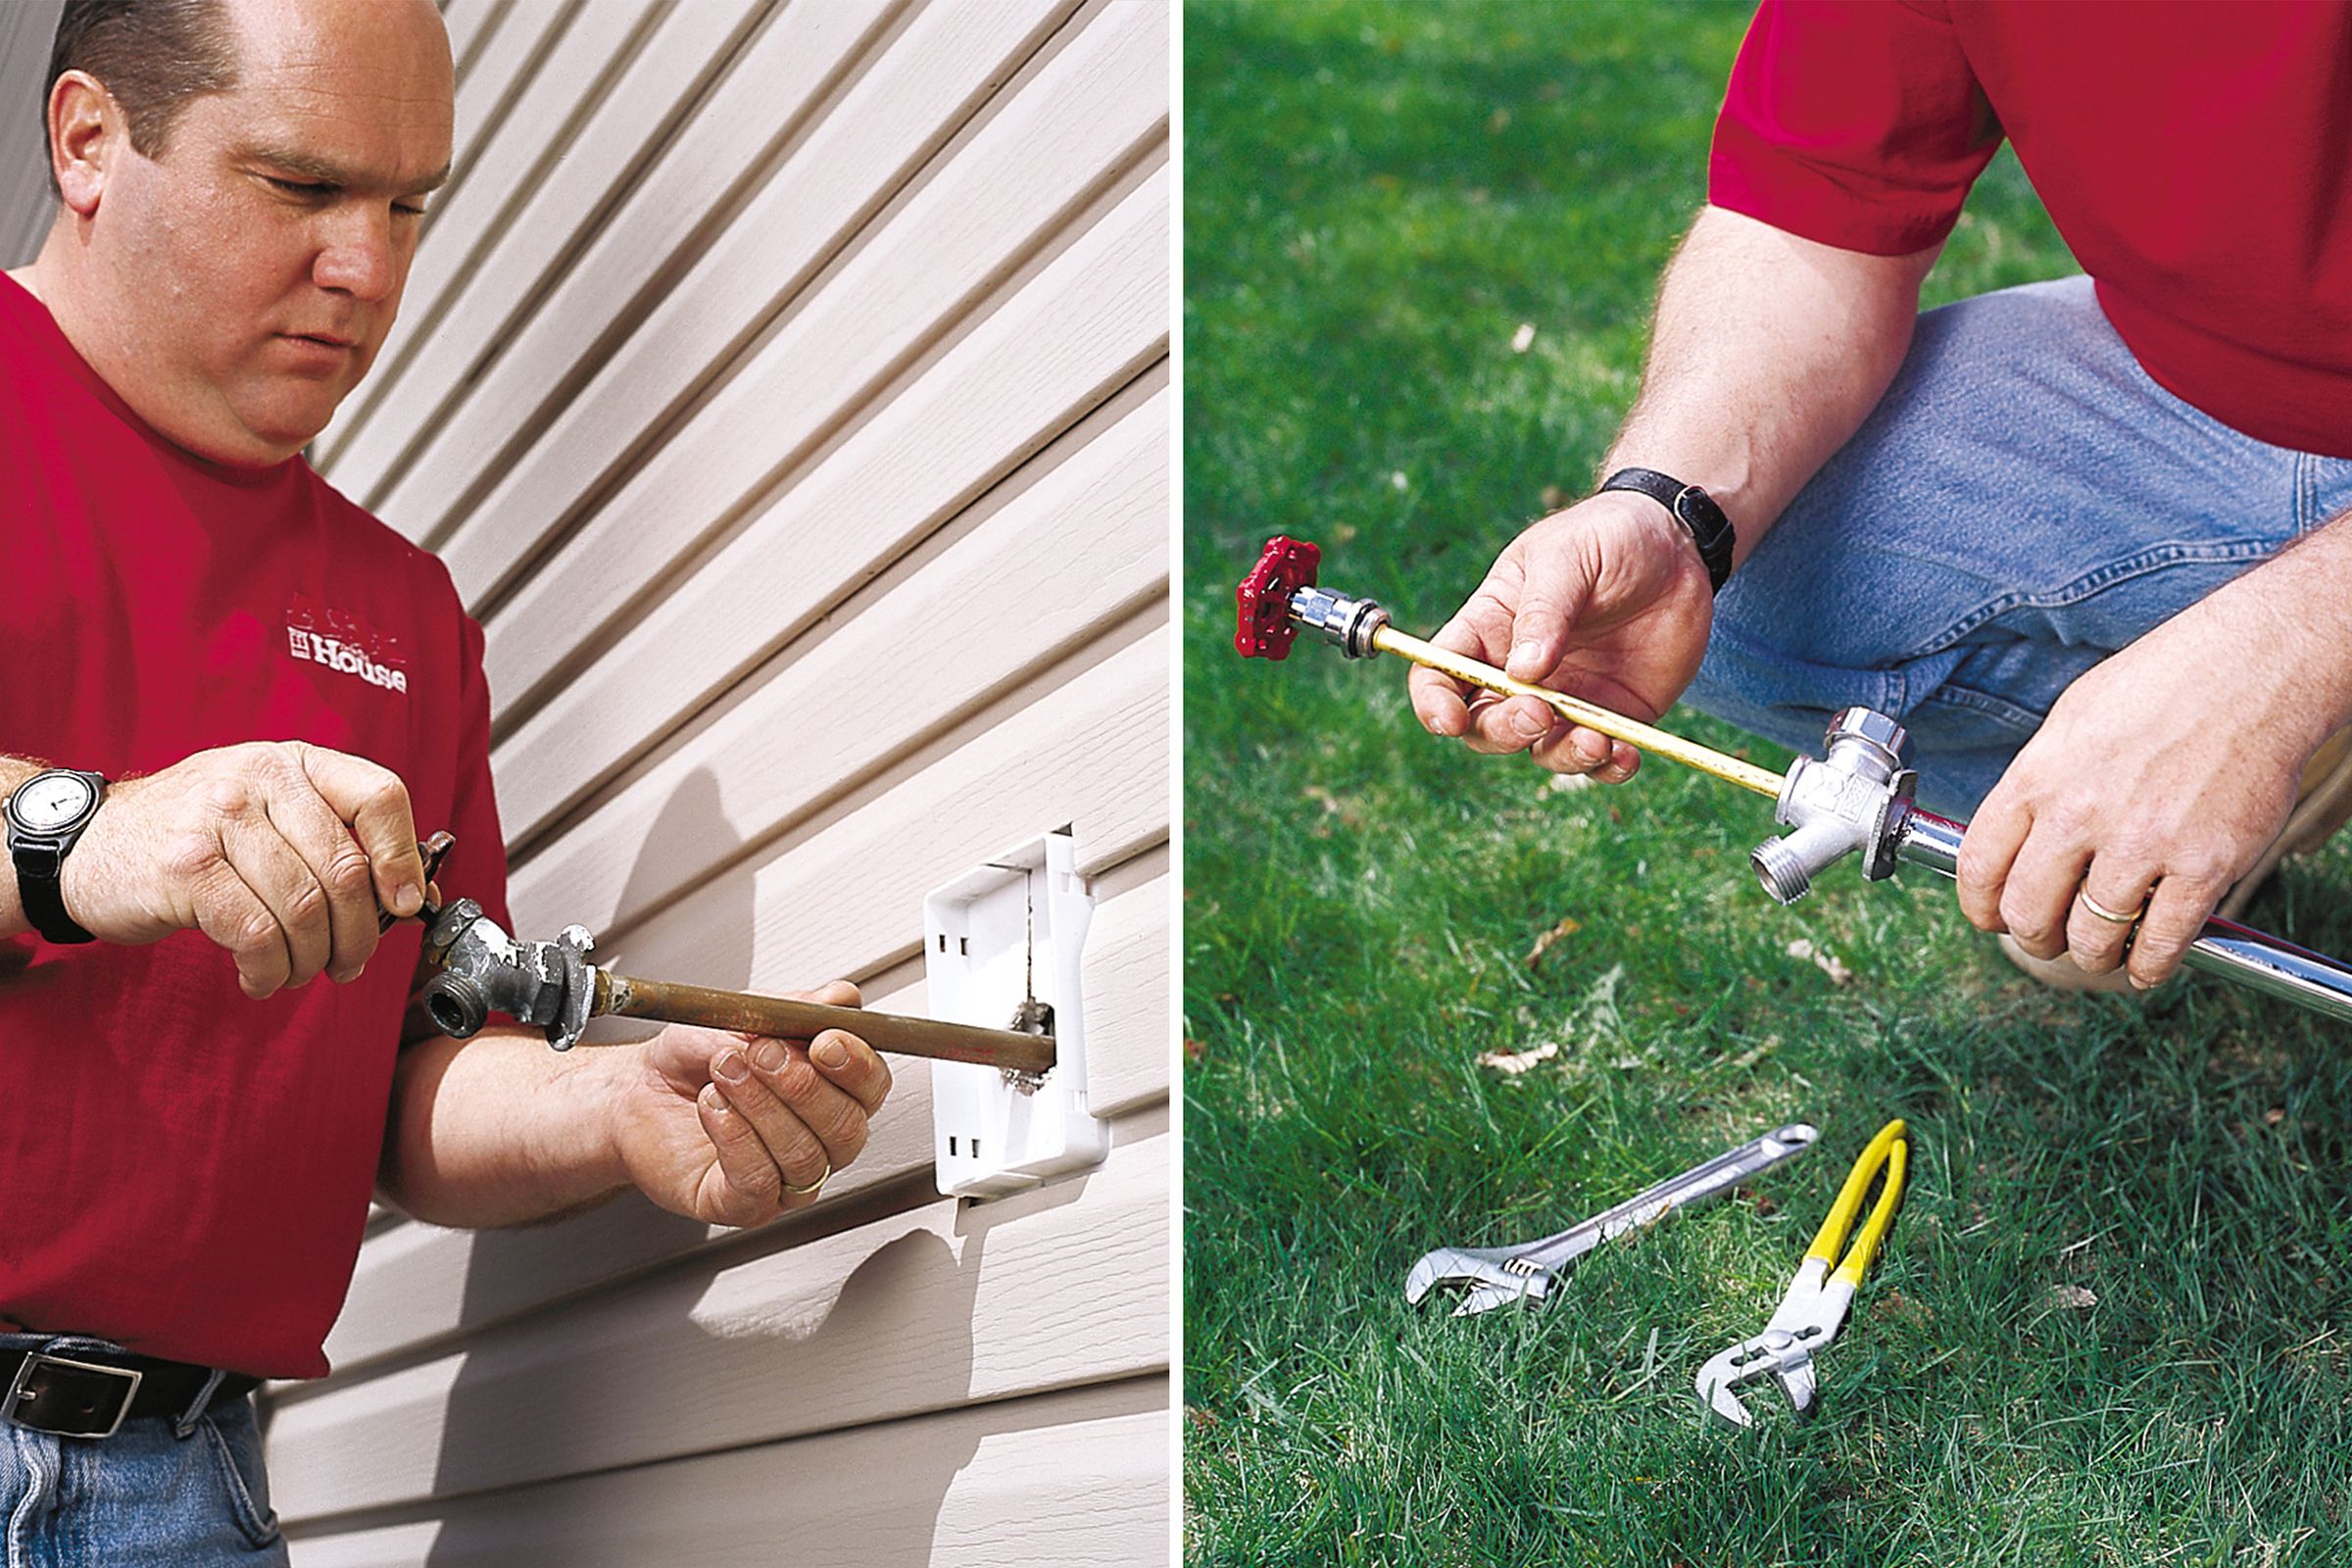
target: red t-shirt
182 1169
2196 158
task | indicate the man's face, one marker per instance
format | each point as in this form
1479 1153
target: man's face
244 280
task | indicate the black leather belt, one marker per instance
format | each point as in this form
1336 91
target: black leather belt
90 1393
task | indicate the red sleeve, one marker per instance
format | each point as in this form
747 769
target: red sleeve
1856 123
477 867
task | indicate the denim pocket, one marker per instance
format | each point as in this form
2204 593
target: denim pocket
235 1443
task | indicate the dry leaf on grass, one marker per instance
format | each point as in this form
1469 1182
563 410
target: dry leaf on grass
1566 928
1515 1062
1825 962
2073 1297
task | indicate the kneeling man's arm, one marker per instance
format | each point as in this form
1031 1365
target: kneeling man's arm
1768 353
2162 774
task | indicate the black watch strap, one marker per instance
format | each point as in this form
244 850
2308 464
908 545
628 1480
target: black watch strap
45 908
1701 519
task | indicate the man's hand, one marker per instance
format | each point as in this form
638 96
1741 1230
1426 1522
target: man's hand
721 1127
1607 601
1767 354
2159 779
281 852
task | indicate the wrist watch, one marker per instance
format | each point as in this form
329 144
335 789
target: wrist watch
1701 519
45 816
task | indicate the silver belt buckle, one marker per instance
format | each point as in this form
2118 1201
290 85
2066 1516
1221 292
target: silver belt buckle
18 1393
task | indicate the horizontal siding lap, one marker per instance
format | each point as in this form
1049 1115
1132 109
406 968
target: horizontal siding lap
890 120
26 27
426 367
1085 322
965 226
1056 561
496 75
768 90
466 21
574 70
1075 1478
1094 753
1124 981
923 1310
1086 113
416 1283
529 130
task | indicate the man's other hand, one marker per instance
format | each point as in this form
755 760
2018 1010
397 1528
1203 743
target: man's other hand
281 852
1606 600
735 1129
2158 780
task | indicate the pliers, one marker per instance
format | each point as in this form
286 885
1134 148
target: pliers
1810 1314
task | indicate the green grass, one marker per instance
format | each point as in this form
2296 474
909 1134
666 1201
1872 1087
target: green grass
1376 197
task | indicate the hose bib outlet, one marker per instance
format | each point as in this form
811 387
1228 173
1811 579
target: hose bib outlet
1853 798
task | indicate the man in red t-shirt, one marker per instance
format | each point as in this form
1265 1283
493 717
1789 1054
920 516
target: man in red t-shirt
2087 539
232 699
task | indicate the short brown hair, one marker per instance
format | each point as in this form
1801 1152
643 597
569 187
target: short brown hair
152 55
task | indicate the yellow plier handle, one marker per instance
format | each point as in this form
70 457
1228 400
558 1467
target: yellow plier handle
1892 1150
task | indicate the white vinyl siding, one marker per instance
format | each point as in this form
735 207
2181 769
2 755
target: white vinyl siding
26 29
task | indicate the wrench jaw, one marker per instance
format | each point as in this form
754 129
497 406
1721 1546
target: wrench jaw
1530 1291
1492 1278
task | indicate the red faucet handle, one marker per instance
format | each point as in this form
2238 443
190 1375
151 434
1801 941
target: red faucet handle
1265 627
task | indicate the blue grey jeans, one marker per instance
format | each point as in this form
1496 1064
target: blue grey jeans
2023 502
162 1492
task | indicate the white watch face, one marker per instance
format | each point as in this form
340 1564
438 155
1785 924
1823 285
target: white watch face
52 800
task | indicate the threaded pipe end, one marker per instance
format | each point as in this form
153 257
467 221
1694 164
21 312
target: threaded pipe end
1782 870
457 1005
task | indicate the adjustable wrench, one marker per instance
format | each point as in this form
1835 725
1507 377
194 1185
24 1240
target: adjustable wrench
1495 1276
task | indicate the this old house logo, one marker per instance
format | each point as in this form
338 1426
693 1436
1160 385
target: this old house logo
343 642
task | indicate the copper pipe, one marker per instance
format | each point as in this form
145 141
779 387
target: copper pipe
663 1002
1617 726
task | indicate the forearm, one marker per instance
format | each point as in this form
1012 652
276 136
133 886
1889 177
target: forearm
2286 617
500 1130
1768 353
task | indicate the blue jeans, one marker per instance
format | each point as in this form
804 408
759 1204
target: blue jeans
163 1492
2023 502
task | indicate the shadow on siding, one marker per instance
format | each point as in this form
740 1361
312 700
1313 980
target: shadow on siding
894 1297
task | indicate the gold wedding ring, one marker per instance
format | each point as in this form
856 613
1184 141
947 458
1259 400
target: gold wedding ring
2083 895
816 1185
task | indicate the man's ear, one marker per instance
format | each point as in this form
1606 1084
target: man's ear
88 136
